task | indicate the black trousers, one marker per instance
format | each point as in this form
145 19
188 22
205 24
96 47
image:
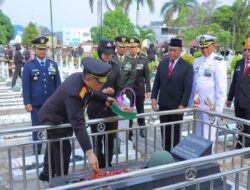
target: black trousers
139 104
243 113
56 152
168 129
99 144
17 72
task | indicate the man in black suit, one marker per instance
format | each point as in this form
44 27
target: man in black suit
172 87
240 92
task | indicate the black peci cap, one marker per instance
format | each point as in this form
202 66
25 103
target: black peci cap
174 42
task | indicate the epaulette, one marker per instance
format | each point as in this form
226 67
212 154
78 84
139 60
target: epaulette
130 57
143 56
51 60
31 61
218 58
83 91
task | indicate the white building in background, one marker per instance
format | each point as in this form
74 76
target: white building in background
75 36
162 33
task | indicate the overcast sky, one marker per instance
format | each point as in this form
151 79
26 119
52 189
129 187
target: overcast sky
70 13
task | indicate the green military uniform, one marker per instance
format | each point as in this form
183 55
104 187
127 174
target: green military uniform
127 68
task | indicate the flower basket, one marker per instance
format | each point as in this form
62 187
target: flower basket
122 110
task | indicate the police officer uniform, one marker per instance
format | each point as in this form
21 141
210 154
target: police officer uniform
39 81
240 92
67 105
97 108
126 63
142 82
209 86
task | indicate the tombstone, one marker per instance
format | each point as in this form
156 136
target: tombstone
192 147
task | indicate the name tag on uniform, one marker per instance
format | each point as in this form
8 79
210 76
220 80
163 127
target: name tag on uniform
208 72
139 66
127 67
34 74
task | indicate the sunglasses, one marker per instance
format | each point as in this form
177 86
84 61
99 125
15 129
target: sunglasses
246 49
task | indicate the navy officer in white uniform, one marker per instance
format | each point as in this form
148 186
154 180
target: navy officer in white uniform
209 85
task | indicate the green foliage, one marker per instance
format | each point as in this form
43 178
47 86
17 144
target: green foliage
30 33
189 58
152 65
114 23
169 8
224 17
144 33
233 63
224 39
6 29
96 34
197 54
95 55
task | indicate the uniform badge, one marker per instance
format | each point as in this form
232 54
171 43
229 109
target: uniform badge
51 70
202 39
127 67
208 72
237 69
35 77
139 66
109 44
196 69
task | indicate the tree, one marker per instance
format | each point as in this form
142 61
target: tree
224 17
174 6
127 4
6 29
224 39
209 8
114 23
144 33
241 22
30 33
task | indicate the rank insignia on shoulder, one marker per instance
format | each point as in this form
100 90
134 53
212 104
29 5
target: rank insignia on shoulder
131 57
218 58
83 91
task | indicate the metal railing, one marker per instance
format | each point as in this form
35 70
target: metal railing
142 147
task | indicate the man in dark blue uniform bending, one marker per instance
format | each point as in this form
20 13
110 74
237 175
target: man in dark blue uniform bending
67 105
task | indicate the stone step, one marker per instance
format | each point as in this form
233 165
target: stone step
12 107
4 88
9 93
9 104
12 99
